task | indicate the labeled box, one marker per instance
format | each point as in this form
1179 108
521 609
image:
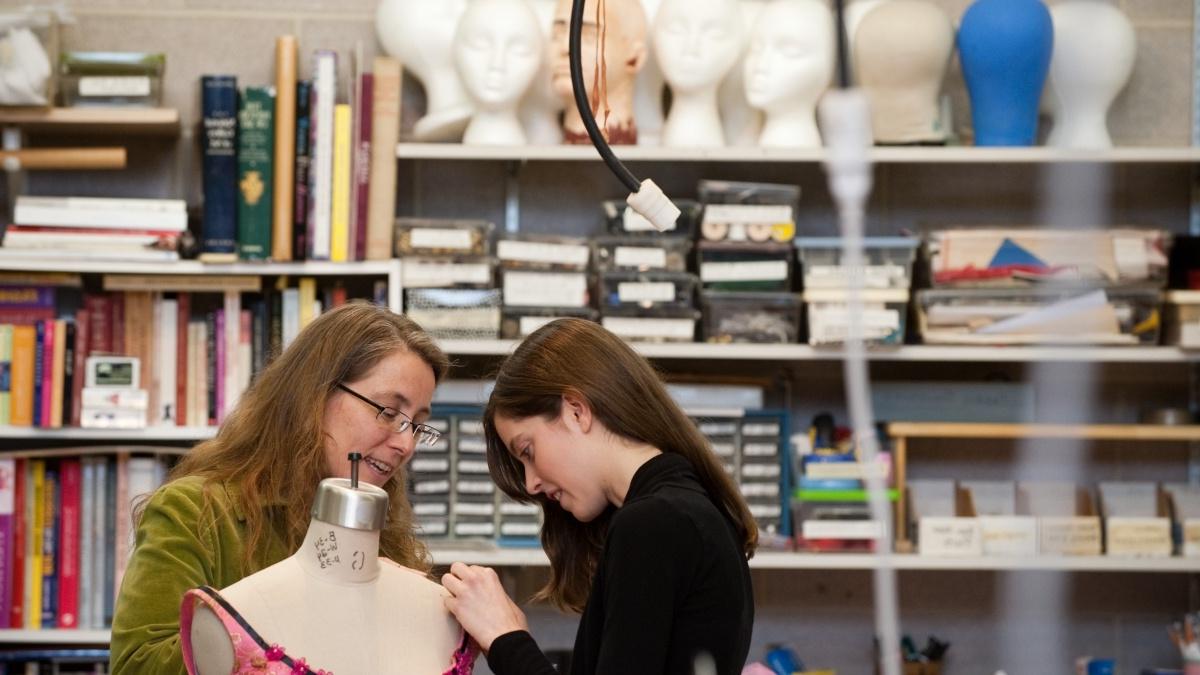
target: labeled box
1068 522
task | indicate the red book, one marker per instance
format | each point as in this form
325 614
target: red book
99 309
70 478
184 308
83 320
117 324
362 164
8 469
47 373
16 616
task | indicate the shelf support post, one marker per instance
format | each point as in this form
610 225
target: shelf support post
512 196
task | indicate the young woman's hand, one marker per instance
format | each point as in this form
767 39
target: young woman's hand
478 601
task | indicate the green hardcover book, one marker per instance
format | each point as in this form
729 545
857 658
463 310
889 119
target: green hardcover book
256 153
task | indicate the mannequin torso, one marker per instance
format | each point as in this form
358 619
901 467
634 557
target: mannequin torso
335 604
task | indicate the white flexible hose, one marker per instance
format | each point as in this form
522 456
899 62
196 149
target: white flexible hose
846 125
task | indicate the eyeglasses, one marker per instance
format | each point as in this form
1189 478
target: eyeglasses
397 421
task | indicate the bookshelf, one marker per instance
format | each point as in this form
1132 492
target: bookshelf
128 121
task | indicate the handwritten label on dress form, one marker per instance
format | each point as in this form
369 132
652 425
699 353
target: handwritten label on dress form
327 551
357 560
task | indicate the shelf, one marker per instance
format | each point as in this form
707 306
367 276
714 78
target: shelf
774 560
914 155
55 637
94 120
317 268
160 433
919 353
1100 432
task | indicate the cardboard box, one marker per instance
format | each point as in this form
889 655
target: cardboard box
1183 502
1005 532
1067 521
954 535
1137 520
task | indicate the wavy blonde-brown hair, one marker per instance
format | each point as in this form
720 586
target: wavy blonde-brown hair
272 445
580 358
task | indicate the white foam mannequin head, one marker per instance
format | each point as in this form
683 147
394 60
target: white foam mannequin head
355 614
789 65
421 35
541 107
696 42
624 55
741 121
902 49
648 88
855 11
498 50
1095 47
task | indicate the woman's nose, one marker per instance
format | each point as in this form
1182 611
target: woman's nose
533 484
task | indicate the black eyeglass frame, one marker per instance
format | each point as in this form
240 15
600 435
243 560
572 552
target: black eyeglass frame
422 433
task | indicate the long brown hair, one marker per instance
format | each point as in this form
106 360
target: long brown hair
626 394
272 444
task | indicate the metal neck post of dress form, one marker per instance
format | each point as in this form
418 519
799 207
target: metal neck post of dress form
350 504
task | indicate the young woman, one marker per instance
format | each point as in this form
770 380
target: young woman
646 533
358 379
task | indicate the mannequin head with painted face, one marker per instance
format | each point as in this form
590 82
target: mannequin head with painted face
696 43
624 32
421 35
788 67
498 50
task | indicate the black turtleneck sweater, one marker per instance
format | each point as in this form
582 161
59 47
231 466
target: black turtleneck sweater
672 583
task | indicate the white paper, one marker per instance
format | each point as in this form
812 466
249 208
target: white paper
639 256
131 85
474 508
440 237
746 214
645 291
433 274
765 270
534 289
1053 315
543 252
429 465
431 509
1130 256
637 327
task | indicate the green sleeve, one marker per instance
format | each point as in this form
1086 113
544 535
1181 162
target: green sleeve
170 556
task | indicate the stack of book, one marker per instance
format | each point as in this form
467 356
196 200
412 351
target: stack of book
95 228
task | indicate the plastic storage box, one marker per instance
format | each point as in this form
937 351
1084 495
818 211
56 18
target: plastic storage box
751 317
748 212
518 322
455 314
442 237
744 267
647 290
657 325
889 262
884 316
543 253
429 272
641 254
524 288
1182 319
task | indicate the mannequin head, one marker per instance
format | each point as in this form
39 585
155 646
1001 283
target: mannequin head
790 62
696 42
498 49
421 35
274 444
1094 51
624 52
902 49
570 406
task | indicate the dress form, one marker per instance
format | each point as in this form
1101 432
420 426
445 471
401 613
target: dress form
855 11
697 42
421 35
624 54
498 50
902 49
334 602
1094 50
541 108
789 65
742 122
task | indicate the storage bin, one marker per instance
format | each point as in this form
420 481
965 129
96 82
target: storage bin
888 262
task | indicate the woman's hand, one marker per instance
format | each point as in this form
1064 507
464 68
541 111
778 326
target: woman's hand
480 604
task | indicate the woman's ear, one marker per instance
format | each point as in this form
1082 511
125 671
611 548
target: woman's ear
576 412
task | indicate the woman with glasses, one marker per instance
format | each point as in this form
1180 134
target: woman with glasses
359 378
646 533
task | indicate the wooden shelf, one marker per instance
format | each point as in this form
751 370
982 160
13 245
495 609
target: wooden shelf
1099 432
915 155
94 120
915 353
10 636
778 560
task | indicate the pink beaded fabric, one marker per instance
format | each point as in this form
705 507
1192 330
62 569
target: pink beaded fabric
253 656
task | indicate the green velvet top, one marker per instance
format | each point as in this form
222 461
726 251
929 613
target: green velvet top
174 552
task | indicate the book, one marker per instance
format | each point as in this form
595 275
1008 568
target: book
284 147
58 363
219 107
323 102
41 237
307 300
82 332
99 309
183 310
91 254
343 157
8 497
87 509
211 343
181 282
49 546
41 409
385 131
300 196
6 355
34 512
167 345
256 181
168 215
70 482
232 312
68 380
23 373
362 164
116 533
16 616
